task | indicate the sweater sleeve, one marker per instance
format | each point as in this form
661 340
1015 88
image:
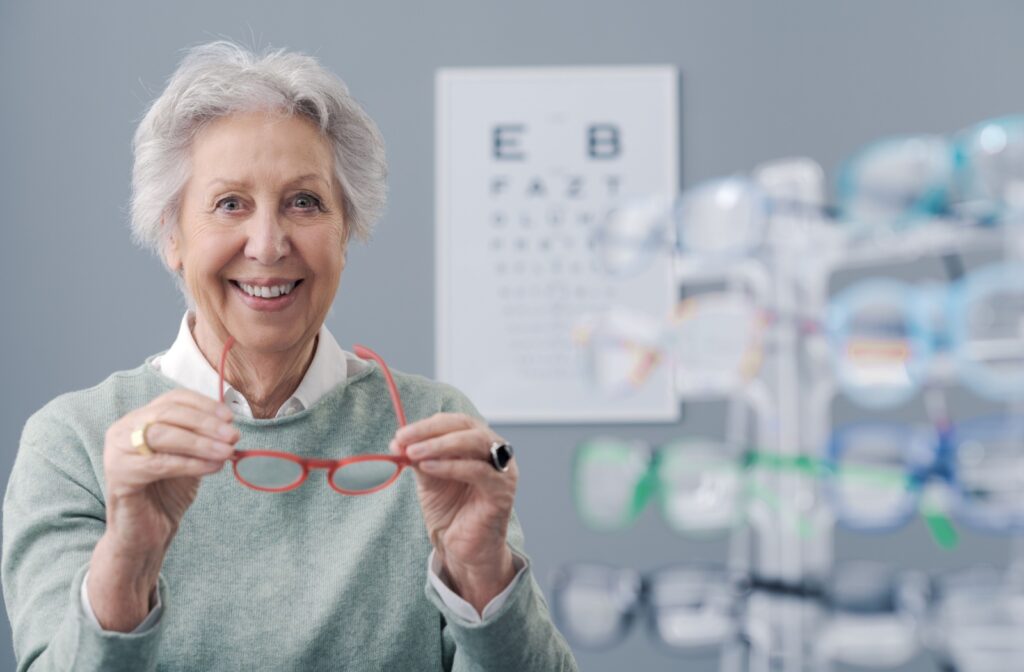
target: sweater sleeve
520 636
54 514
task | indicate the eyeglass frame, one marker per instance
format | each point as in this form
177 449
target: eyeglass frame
826 470
332 466
669 232
917 306
633 600
941 466
635 603
961 174
649 484
653 342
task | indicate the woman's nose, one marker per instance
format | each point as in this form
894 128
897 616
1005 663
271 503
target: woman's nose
268 240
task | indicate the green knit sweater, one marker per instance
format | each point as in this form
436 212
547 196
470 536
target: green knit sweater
304 580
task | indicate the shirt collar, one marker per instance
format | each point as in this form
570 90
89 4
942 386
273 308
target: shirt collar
185 364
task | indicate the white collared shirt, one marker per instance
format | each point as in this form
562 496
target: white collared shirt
185 364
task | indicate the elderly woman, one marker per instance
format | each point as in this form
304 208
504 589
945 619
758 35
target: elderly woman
128 544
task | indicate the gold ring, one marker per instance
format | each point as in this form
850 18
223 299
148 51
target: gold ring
139 440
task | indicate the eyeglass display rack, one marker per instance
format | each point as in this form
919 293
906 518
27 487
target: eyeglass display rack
791 408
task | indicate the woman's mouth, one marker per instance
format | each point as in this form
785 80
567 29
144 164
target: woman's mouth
277 296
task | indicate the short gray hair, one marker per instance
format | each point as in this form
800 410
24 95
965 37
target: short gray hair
221 78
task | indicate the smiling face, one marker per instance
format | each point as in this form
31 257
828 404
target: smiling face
261 235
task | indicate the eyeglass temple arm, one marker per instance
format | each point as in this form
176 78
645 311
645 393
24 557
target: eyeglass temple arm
361 351
365 353
943 532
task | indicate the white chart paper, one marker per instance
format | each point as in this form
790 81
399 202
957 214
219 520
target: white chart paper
528 161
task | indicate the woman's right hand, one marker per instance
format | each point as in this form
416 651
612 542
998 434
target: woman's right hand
190 436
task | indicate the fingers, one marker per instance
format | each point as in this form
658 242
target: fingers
452 445
466 443
435 425
183 397
473 472
187 433
181 429
171 416
145 469
171 439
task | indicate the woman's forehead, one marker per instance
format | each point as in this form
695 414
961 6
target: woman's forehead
258 148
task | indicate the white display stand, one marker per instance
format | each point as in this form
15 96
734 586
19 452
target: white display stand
793 418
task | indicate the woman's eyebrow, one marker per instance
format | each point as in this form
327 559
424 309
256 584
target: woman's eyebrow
220 181
312 177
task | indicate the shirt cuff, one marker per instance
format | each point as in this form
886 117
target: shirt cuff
464 609
151 618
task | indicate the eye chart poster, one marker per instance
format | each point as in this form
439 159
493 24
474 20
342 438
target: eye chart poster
529 161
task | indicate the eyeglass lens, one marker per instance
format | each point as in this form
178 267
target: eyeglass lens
596 605
607 476
274 473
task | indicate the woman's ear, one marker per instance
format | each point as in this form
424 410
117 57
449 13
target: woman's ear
172 250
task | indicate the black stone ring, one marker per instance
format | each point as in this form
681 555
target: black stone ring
501 455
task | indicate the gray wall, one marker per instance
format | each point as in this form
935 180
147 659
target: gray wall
760 80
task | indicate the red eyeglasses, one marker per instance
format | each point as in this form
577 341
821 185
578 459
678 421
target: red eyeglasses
275 471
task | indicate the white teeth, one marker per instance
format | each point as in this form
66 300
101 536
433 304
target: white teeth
267 292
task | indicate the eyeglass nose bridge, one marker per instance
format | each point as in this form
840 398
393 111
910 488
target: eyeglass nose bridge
319 464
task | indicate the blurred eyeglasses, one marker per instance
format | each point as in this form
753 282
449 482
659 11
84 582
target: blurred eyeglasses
991 160
872 616
896 183
878 474
885 333
865 616
874 475
976 617
884 336
703 488
687 609
720 219
973 177
619 349
277 471
714 342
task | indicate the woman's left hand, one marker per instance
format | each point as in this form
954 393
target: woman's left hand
466 502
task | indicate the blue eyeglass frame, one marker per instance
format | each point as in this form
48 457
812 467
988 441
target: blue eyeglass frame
935 459
961 177
919 307
909 207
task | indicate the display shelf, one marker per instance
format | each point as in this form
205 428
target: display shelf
794 418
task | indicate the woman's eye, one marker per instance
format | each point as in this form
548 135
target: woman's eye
229 204
306 201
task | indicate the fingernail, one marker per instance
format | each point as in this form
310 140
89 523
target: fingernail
224 412
416 450
227 431
429 465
